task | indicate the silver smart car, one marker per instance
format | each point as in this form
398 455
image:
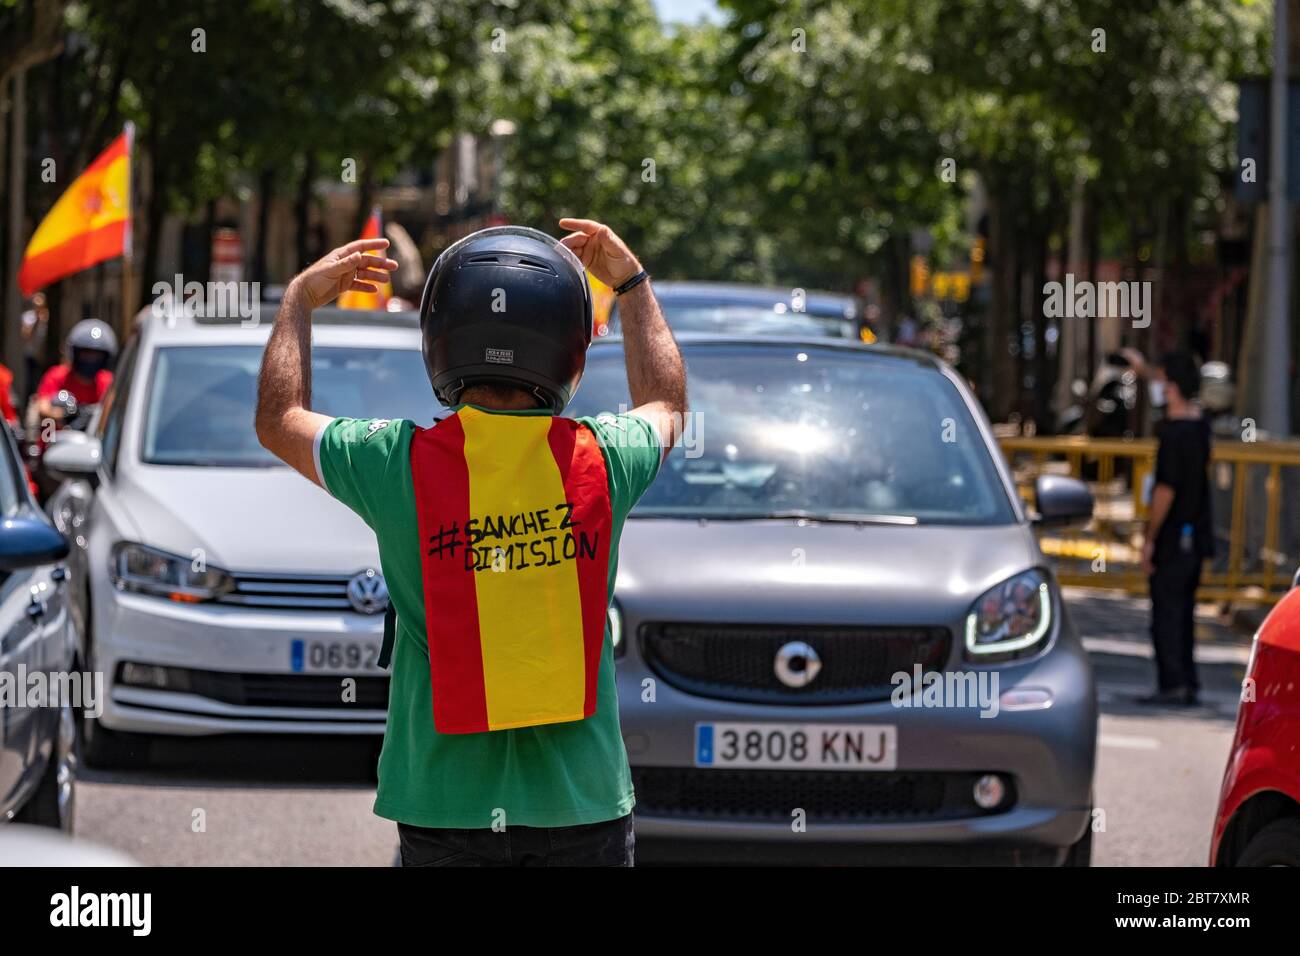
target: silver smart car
838 639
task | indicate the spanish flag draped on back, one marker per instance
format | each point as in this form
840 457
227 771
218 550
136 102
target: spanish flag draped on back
90 222
515 522
369 300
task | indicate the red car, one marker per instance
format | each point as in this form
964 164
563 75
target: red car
1259 804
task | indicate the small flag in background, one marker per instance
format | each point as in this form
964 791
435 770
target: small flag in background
602 299
369 300
90 222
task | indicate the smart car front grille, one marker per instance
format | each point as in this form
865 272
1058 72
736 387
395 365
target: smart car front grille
296 592
770 796
738 662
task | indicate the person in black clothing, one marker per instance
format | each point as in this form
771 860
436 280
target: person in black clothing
1178 534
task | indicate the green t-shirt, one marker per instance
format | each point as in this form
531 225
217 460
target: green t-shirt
553 775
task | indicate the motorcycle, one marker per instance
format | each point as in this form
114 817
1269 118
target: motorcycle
74 416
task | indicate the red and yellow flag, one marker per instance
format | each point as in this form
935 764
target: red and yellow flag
369 300
602 301
515 522
91 221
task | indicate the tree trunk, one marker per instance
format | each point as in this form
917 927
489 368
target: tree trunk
302 211
266 195
1044 379
23 48
1092 227
997 388
209 227
155 209
893 285
1018 314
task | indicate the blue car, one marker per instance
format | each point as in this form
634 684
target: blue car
37 650
731 309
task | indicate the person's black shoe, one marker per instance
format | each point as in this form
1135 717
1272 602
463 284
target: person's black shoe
1163 698
1191 698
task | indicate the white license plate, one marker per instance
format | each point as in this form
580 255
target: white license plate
333 657
797 746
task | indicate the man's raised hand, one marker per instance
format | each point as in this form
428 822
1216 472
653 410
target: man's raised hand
345 268
605 255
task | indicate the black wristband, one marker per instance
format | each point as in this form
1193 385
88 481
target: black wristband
632 283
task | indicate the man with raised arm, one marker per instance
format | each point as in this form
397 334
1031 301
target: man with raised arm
498 530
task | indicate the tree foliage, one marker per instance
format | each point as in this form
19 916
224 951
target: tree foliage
796 142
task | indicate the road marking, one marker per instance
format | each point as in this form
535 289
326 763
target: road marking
1121 742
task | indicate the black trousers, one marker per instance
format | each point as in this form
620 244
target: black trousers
1173 602
610 843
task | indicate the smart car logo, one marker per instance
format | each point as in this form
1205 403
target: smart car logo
367 592
797 664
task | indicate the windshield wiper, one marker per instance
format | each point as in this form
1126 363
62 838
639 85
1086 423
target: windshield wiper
824 517
843 517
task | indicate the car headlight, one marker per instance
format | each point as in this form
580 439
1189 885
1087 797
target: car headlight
136 567
1011 618
615 618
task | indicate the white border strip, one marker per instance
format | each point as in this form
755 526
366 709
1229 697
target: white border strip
315 453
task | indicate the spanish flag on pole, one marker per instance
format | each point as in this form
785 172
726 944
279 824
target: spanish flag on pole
369 300
514 520
91 221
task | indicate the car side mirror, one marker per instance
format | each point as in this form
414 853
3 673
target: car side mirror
72 457
1060 499
26 542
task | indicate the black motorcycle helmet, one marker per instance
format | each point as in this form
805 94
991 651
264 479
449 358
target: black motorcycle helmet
507 306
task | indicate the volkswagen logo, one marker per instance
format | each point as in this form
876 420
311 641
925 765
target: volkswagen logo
367 592
797 664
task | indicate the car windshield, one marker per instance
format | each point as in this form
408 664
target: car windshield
750 318
832 434
202 398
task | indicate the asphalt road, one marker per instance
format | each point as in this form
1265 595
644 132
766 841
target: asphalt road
241 802
1158 770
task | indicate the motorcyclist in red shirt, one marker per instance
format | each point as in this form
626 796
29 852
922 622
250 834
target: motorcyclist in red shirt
86 375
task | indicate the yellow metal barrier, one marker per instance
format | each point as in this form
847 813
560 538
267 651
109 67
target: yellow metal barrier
1257 526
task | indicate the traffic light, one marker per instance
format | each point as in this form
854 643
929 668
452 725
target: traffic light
920 276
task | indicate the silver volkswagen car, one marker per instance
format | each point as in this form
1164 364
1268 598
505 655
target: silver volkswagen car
838 639
216 590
